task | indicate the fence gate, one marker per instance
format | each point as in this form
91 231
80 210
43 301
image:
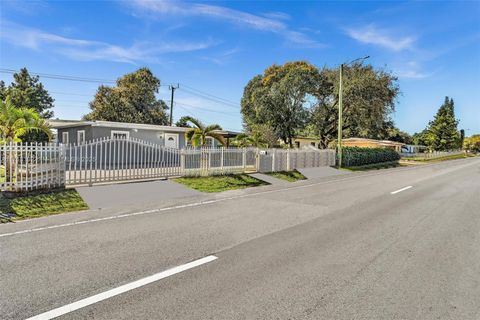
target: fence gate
107 160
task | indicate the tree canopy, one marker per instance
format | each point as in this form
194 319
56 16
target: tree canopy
279 98
472 143
369 97
133 99
298 97
28 92
442 132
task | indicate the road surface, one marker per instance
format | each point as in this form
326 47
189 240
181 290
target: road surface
400 243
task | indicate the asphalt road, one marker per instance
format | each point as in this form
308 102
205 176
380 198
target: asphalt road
346 247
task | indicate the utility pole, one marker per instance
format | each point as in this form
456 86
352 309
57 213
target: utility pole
340 117
172 88
340 110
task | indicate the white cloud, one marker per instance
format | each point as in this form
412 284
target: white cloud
88 50
411 70
380 37
223 57
270 22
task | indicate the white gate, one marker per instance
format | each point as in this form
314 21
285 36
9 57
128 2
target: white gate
119 159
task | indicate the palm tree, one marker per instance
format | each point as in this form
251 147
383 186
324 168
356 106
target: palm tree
15 122
199 133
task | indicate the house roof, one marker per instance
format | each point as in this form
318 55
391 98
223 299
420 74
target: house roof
59 124
380 142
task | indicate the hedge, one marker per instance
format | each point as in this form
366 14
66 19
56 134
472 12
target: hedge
356 156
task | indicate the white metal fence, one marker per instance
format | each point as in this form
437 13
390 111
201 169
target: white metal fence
31 166
35 166
431 155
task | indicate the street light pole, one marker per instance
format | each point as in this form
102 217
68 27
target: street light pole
340 110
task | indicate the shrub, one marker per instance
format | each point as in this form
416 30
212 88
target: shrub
355 156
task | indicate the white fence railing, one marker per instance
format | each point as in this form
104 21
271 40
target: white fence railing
31 166
35 166
431 155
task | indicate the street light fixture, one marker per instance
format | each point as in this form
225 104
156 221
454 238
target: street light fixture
340 108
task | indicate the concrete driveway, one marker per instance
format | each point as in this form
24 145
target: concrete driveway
132 194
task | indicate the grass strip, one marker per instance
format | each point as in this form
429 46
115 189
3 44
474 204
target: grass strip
290 176
37 205
221 183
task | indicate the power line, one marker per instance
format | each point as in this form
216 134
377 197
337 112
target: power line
65 77
213 98
71 94
61 77
209 94
213 111
204 109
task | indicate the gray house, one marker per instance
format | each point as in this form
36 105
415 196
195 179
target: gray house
74 131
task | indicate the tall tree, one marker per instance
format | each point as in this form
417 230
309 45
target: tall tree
442 132
132 100
280 98
28 92
369 97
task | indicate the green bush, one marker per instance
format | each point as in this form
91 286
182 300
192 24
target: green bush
355 156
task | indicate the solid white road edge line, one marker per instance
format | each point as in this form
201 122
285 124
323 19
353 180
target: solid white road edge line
122 289
400 190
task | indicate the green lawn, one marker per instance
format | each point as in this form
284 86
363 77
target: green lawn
374 166
30 206
221 183
290 176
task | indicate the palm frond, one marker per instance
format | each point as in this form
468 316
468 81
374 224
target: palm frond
196 122
212 127
217 137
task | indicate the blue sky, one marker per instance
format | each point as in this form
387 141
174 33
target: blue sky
214 48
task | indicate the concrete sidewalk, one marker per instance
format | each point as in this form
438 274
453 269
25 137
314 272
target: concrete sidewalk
321 172
269 179
128 194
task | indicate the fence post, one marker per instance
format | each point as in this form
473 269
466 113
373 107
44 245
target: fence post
273 160
182 161
288 159
221 158
244 159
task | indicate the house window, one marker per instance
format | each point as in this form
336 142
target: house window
312 143
209 142
81 136
65 137
297 143
120 134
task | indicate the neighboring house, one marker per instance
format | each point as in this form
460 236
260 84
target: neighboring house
72 131
300 142
371 143
409 148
